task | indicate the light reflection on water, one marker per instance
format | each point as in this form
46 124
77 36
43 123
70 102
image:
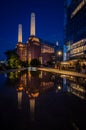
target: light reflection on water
45 97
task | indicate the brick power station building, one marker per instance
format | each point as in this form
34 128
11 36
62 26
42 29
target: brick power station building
34 47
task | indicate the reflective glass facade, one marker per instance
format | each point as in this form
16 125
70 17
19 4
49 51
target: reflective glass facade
75 28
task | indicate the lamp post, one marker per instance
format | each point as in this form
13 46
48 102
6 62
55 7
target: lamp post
59 54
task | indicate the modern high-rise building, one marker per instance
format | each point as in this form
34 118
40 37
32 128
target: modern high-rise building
75 29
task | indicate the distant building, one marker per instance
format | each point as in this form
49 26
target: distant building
34 47
75 29
46 52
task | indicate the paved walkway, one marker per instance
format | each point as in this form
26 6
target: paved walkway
63 72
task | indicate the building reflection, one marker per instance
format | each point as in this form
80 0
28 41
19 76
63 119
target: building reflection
58 88
58 83
34 83
64 77
19 95
32 109
76 86
46 82
77 90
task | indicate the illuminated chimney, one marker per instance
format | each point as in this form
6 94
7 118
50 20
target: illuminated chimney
19 33
32 26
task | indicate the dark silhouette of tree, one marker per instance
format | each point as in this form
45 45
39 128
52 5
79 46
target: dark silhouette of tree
35 62
13 59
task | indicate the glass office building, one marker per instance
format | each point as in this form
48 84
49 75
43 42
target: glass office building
75 29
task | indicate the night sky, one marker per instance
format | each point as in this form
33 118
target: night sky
49 21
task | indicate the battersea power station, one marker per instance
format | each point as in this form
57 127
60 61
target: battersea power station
34 48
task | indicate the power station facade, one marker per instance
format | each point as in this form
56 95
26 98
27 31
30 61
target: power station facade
34 48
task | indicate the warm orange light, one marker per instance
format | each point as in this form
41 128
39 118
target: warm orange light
35 94
78 8
59 52
59 87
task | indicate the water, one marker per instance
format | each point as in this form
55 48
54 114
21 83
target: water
41 100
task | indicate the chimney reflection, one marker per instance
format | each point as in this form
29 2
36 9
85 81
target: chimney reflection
33 83
32 109
64 84
32 96
41 75
19 95
19 99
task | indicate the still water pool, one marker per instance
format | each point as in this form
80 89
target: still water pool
40 100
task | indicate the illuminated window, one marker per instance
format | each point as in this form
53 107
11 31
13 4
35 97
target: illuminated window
78 48
79 7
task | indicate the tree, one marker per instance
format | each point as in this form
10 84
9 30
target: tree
13 59
50 63
35 62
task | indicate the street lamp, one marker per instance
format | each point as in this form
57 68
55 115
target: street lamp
59 54
58 58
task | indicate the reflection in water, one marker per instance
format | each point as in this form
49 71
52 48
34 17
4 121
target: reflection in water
46 81
19 93
32 109
33 83
36 83
76 86
5 75
19 99
77 90
64 84
58 88
29 76
75 126
41 75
